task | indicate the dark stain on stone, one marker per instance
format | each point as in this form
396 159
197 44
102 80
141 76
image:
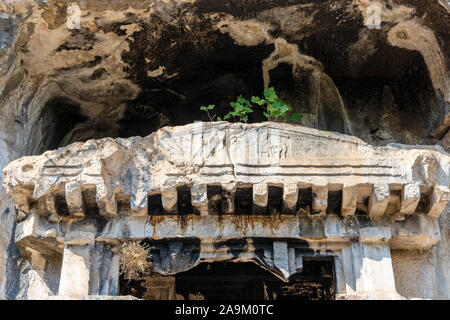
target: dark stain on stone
55 15
235 7
5 213
98 73
115 27
87 64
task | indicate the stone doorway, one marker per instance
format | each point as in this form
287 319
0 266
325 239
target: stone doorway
237 281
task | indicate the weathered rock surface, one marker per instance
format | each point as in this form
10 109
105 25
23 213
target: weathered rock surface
135 66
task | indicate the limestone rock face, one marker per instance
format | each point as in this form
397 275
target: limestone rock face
131 67
122 70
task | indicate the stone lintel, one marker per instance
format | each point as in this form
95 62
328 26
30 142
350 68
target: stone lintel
79 238
417 231
281 154
374 235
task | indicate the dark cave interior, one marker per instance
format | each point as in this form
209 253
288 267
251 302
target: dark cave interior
389 94
236 281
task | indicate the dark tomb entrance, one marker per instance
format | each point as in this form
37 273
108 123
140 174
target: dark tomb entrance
237 281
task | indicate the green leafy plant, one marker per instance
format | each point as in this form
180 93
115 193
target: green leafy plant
207 109
274 108
241 108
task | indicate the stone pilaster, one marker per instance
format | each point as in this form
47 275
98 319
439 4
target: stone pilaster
76 265
373 264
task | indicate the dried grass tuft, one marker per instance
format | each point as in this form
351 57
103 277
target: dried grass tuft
134 260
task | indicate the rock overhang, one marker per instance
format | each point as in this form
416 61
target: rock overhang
233 48
164 54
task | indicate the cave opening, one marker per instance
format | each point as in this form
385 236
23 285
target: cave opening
392 99
216 73
237 281
386 96
57 119
370 102
62 122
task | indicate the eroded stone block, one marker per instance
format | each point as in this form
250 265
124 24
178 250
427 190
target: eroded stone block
378 200
228 193
199 198
438 201
349 200
319 198
374 234
281 257
410 198
290 196
106 202
260 198
74 199
139 203
169 198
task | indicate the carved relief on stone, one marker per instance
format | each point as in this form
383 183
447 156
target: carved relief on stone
272 155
